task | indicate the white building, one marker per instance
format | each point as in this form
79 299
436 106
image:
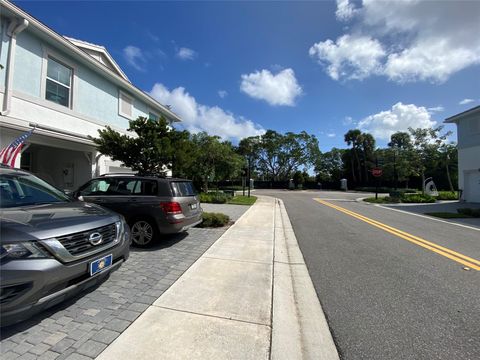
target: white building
468 130
68 89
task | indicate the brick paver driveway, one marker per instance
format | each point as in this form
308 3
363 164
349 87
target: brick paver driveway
83 326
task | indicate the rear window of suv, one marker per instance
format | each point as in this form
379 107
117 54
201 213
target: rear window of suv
119 186
183 188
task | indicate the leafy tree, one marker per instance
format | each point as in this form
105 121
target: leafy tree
449 160
212 160
400 146
330 167
426 145
298 179
353 138
367 146
151 150
278 156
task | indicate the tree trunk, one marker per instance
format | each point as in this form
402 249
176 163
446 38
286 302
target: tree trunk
353 169
448 177
359 167
423 182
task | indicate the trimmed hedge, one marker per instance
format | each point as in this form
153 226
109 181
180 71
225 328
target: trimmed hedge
214 220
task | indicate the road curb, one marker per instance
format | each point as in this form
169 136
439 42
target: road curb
299 326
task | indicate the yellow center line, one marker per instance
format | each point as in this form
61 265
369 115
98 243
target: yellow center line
452 255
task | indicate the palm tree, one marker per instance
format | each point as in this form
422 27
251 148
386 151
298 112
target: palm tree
367 143
353 137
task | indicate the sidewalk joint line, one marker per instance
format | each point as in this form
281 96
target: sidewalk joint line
212 316
287 263
236 260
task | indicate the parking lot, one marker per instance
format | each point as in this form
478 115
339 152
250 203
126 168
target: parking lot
82 327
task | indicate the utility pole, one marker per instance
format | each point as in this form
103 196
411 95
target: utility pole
248 176
395 175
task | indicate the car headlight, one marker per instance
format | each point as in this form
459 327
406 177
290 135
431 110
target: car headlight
121 227
23 250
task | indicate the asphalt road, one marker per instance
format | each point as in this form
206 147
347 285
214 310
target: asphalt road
385 297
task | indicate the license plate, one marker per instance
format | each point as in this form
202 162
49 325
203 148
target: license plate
193 206
100 265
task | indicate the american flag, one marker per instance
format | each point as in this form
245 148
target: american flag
9 153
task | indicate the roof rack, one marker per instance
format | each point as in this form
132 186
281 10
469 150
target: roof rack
132 174
119 174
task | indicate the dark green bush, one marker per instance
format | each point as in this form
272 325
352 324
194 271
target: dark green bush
384 190
214 220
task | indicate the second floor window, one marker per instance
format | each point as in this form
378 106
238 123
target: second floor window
125 107
59 83
153 116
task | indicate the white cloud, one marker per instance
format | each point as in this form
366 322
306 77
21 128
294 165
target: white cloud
466 101
222 93
348 120
135 57
279 89
422 40
184 53
399 118
345 10
350 57
435 109
197 117
331 135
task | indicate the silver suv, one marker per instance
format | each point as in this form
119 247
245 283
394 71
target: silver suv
50 246
152 205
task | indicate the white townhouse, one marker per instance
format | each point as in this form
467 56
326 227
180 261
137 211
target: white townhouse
68 89
468 132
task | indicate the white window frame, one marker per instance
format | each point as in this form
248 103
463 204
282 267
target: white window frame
120 112
48 53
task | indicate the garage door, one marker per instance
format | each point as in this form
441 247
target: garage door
472 186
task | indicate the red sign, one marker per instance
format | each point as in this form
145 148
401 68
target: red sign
377 172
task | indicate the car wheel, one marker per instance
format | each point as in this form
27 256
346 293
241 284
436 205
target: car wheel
143 232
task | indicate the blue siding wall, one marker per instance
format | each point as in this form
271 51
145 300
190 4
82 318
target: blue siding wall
94 97
3 50
469 131
28 65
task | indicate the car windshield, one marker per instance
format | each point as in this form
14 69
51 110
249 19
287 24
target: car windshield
183 188
21 189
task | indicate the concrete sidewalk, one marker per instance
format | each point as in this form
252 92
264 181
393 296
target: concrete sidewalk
248 297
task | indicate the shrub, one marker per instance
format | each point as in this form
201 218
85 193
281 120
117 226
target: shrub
417 198
469 212
214 198
447 195
382 200
214 220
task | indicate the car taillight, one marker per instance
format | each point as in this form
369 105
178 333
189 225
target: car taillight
171 208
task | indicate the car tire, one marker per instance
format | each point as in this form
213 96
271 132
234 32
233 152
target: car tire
144 232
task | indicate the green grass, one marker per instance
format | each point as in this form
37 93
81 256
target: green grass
242 200
448 215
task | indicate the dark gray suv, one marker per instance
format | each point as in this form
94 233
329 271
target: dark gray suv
51 247
152 205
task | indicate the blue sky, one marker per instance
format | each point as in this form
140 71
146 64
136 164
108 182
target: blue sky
238 68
